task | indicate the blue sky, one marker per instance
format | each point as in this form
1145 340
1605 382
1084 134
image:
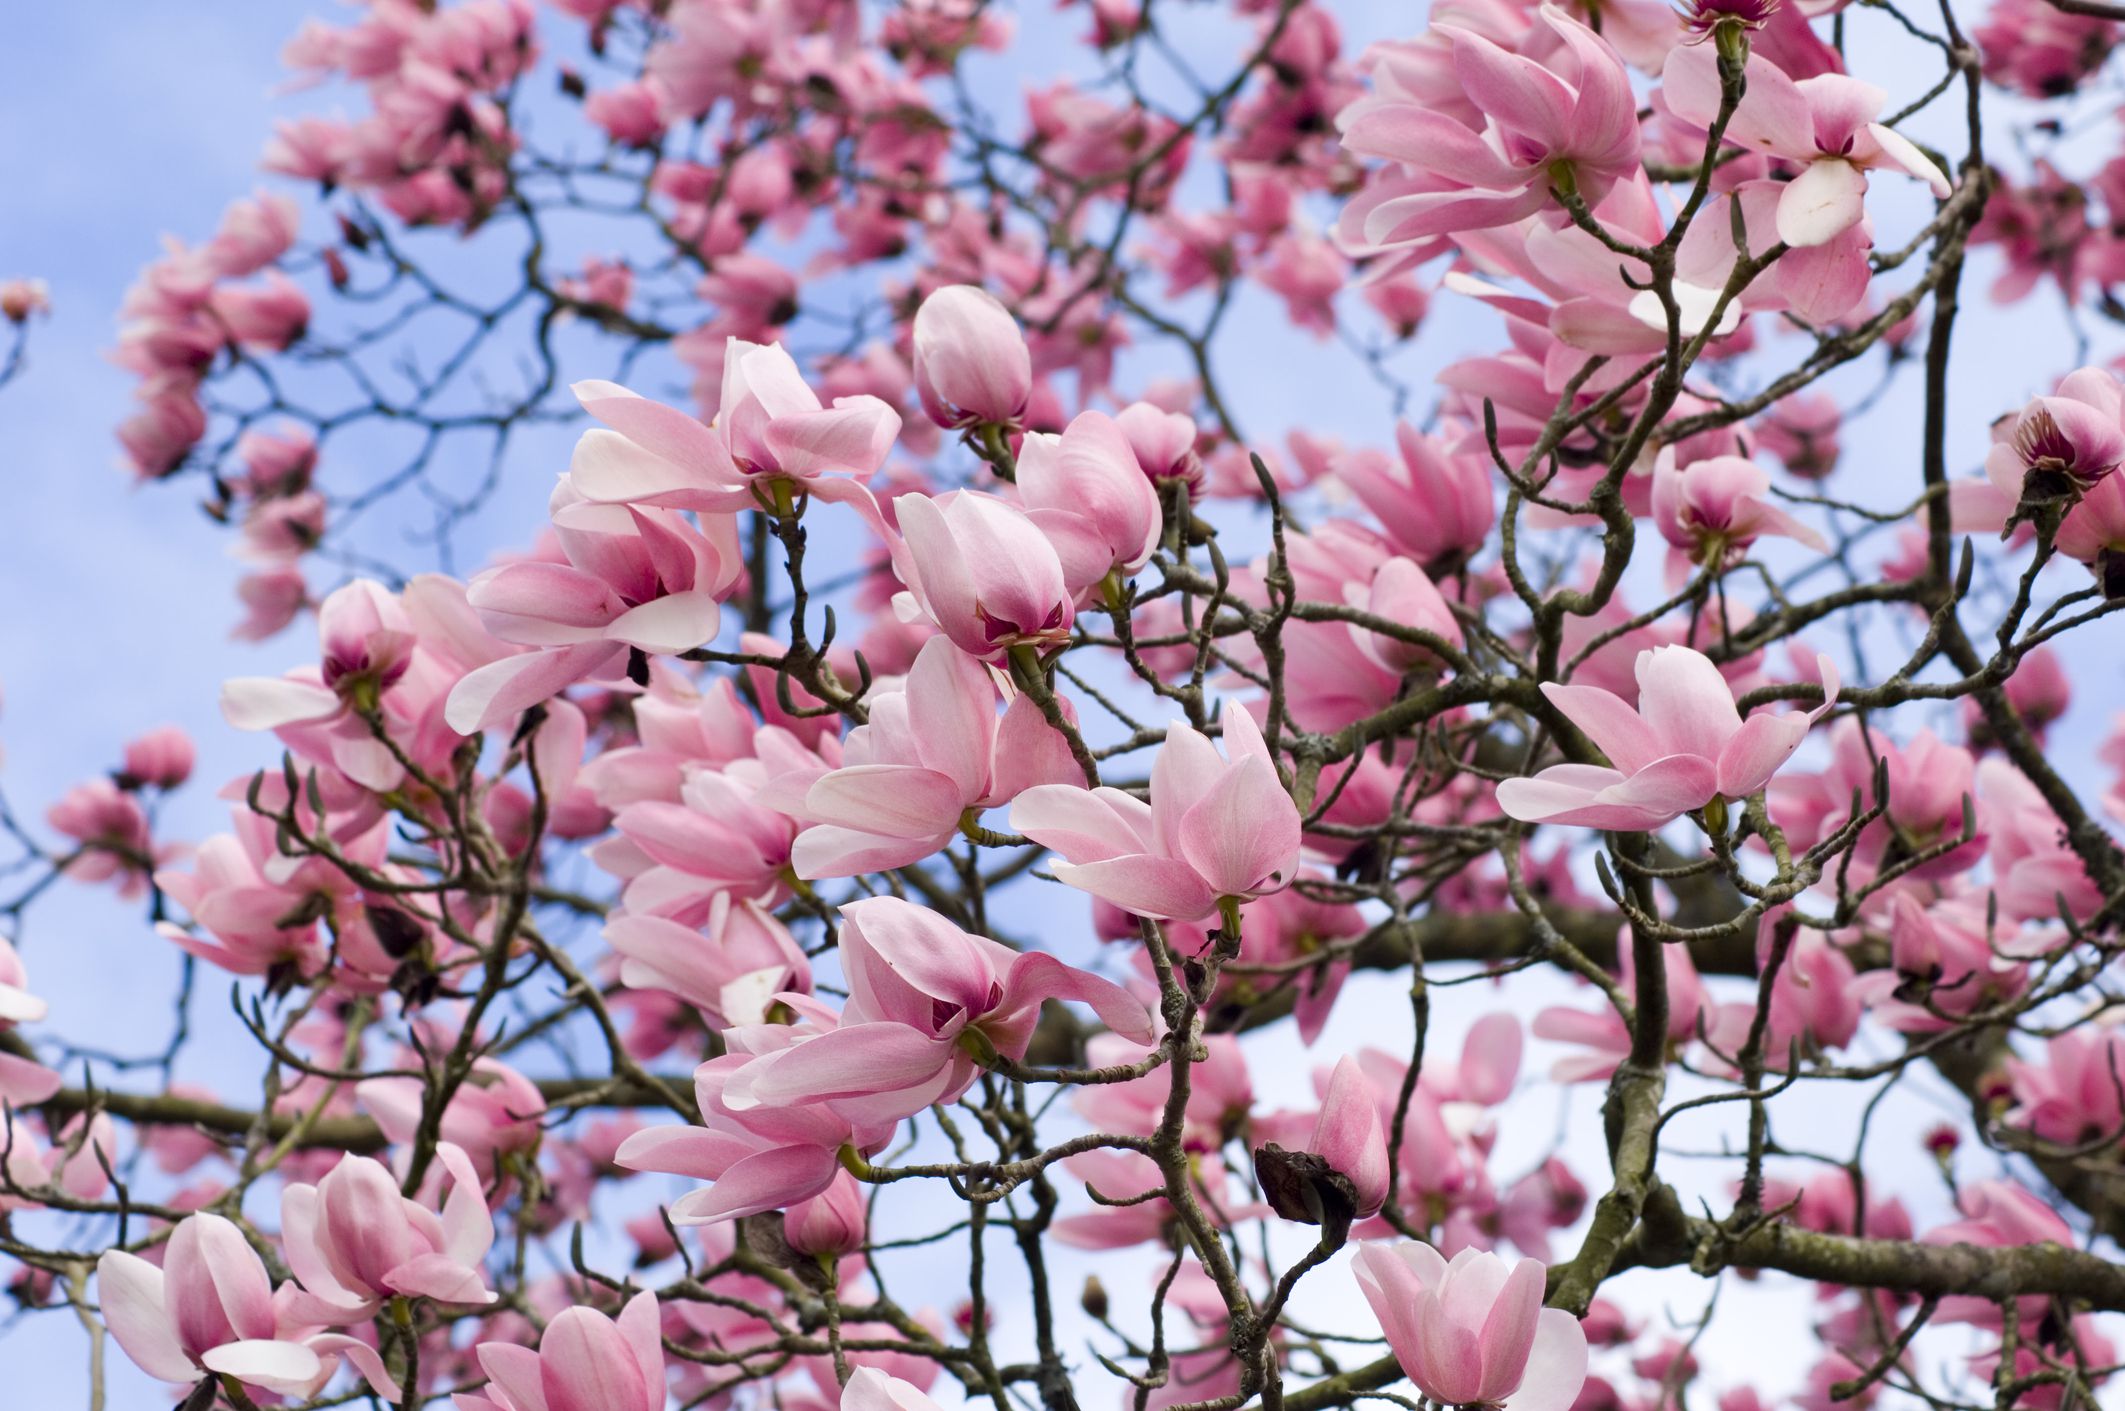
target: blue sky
121 122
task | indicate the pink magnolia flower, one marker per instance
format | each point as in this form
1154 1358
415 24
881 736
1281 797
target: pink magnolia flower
760 1156
494 1114
1436 505
208 1312
635 580
1164 443
112 829
924 999
19 298
1473 1331
1348 1136
980 569
934 755
1683 746
1801 430
834 1222
869 1389
2062 443
1088 495
1403 592
1824 125
971 363
730 974
160 759
23 1081
2071 1097
1569 121
1217 830
585 1362
353 1241
770 429
1715 509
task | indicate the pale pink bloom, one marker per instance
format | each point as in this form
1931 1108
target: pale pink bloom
1164 442
271 597
731 973
971 363
23 1081
208 1311
637 580
1473 1331
1216 828
1959 962
1402 592
2093 533
1715 509
253 234
1825 125
1573 111
2038 689
631 113
1683 746
834 1222
270 315
585 1362
111 828
1436 505
933 754
770 427
2034 867
870 1389
493 1113
2039 50
2000 1214
31 1165
159 436
353 1241
720 836
981 571
2071 1097
1347 1135
1801 430
1088 495
760 1156
1601 1032
366 647
924 998
1931 784
19 298
2064 442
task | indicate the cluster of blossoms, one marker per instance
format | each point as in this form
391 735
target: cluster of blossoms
649 931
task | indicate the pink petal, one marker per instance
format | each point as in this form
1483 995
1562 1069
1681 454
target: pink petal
1144 884
130 1292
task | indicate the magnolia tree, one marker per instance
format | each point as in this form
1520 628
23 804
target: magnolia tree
740 946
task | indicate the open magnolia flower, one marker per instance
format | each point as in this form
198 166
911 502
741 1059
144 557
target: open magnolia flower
1682 747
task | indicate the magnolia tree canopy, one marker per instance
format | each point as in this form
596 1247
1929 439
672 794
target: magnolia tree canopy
970 766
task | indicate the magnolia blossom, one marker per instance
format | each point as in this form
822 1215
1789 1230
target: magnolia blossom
1715 509
1825 125
2068 441
1569 122
770 429
1683 746
208 1312
1473 1331
971 363
982 572
634 580
1086 492
1218 830
932 756
585 1362
354 1241
924 998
